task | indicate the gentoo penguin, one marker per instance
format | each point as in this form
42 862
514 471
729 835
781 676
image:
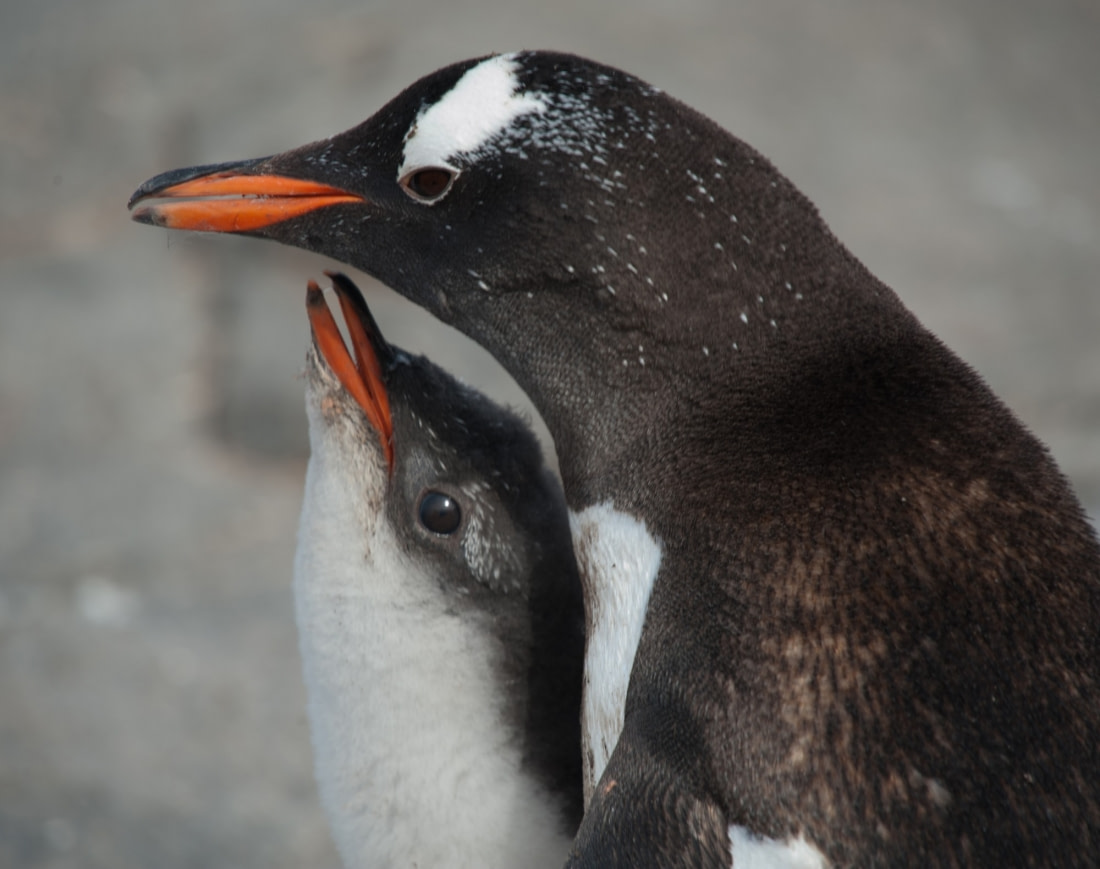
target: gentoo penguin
440 614
843 607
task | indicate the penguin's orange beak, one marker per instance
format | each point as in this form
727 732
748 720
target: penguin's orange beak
228 197
363 377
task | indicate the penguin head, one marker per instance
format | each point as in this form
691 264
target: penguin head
513 175
460 481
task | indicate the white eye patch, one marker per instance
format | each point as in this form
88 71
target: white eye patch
483 103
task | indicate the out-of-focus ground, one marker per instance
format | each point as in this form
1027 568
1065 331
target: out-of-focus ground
152 441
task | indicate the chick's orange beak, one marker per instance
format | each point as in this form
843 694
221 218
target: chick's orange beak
361 378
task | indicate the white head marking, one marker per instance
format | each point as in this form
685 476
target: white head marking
481 105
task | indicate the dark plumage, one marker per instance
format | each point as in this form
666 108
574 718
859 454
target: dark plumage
875 621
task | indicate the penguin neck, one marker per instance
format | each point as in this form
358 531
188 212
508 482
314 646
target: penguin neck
627 389
699 281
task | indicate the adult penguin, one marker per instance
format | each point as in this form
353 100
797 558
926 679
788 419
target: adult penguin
855 602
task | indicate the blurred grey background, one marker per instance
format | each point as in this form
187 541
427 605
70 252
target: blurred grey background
152 441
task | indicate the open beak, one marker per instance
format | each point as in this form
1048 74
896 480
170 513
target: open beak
362 378
231 197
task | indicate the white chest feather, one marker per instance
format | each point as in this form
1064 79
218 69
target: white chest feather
415 761
756 852
618 560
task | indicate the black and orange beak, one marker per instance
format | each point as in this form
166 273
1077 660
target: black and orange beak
362 378
231 197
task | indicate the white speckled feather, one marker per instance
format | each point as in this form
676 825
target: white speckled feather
481 105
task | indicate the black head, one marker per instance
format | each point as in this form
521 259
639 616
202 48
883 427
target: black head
463 479
530 173
518 196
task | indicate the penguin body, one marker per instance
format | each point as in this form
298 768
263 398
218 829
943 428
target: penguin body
439 612
860 623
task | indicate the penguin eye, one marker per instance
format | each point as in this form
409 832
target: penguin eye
428 185
439 513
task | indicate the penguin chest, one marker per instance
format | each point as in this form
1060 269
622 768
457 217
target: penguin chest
619 560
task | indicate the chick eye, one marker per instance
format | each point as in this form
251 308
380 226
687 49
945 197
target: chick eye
428 185
440 513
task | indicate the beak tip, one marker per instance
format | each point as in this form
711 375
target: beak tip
147 215
136 197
